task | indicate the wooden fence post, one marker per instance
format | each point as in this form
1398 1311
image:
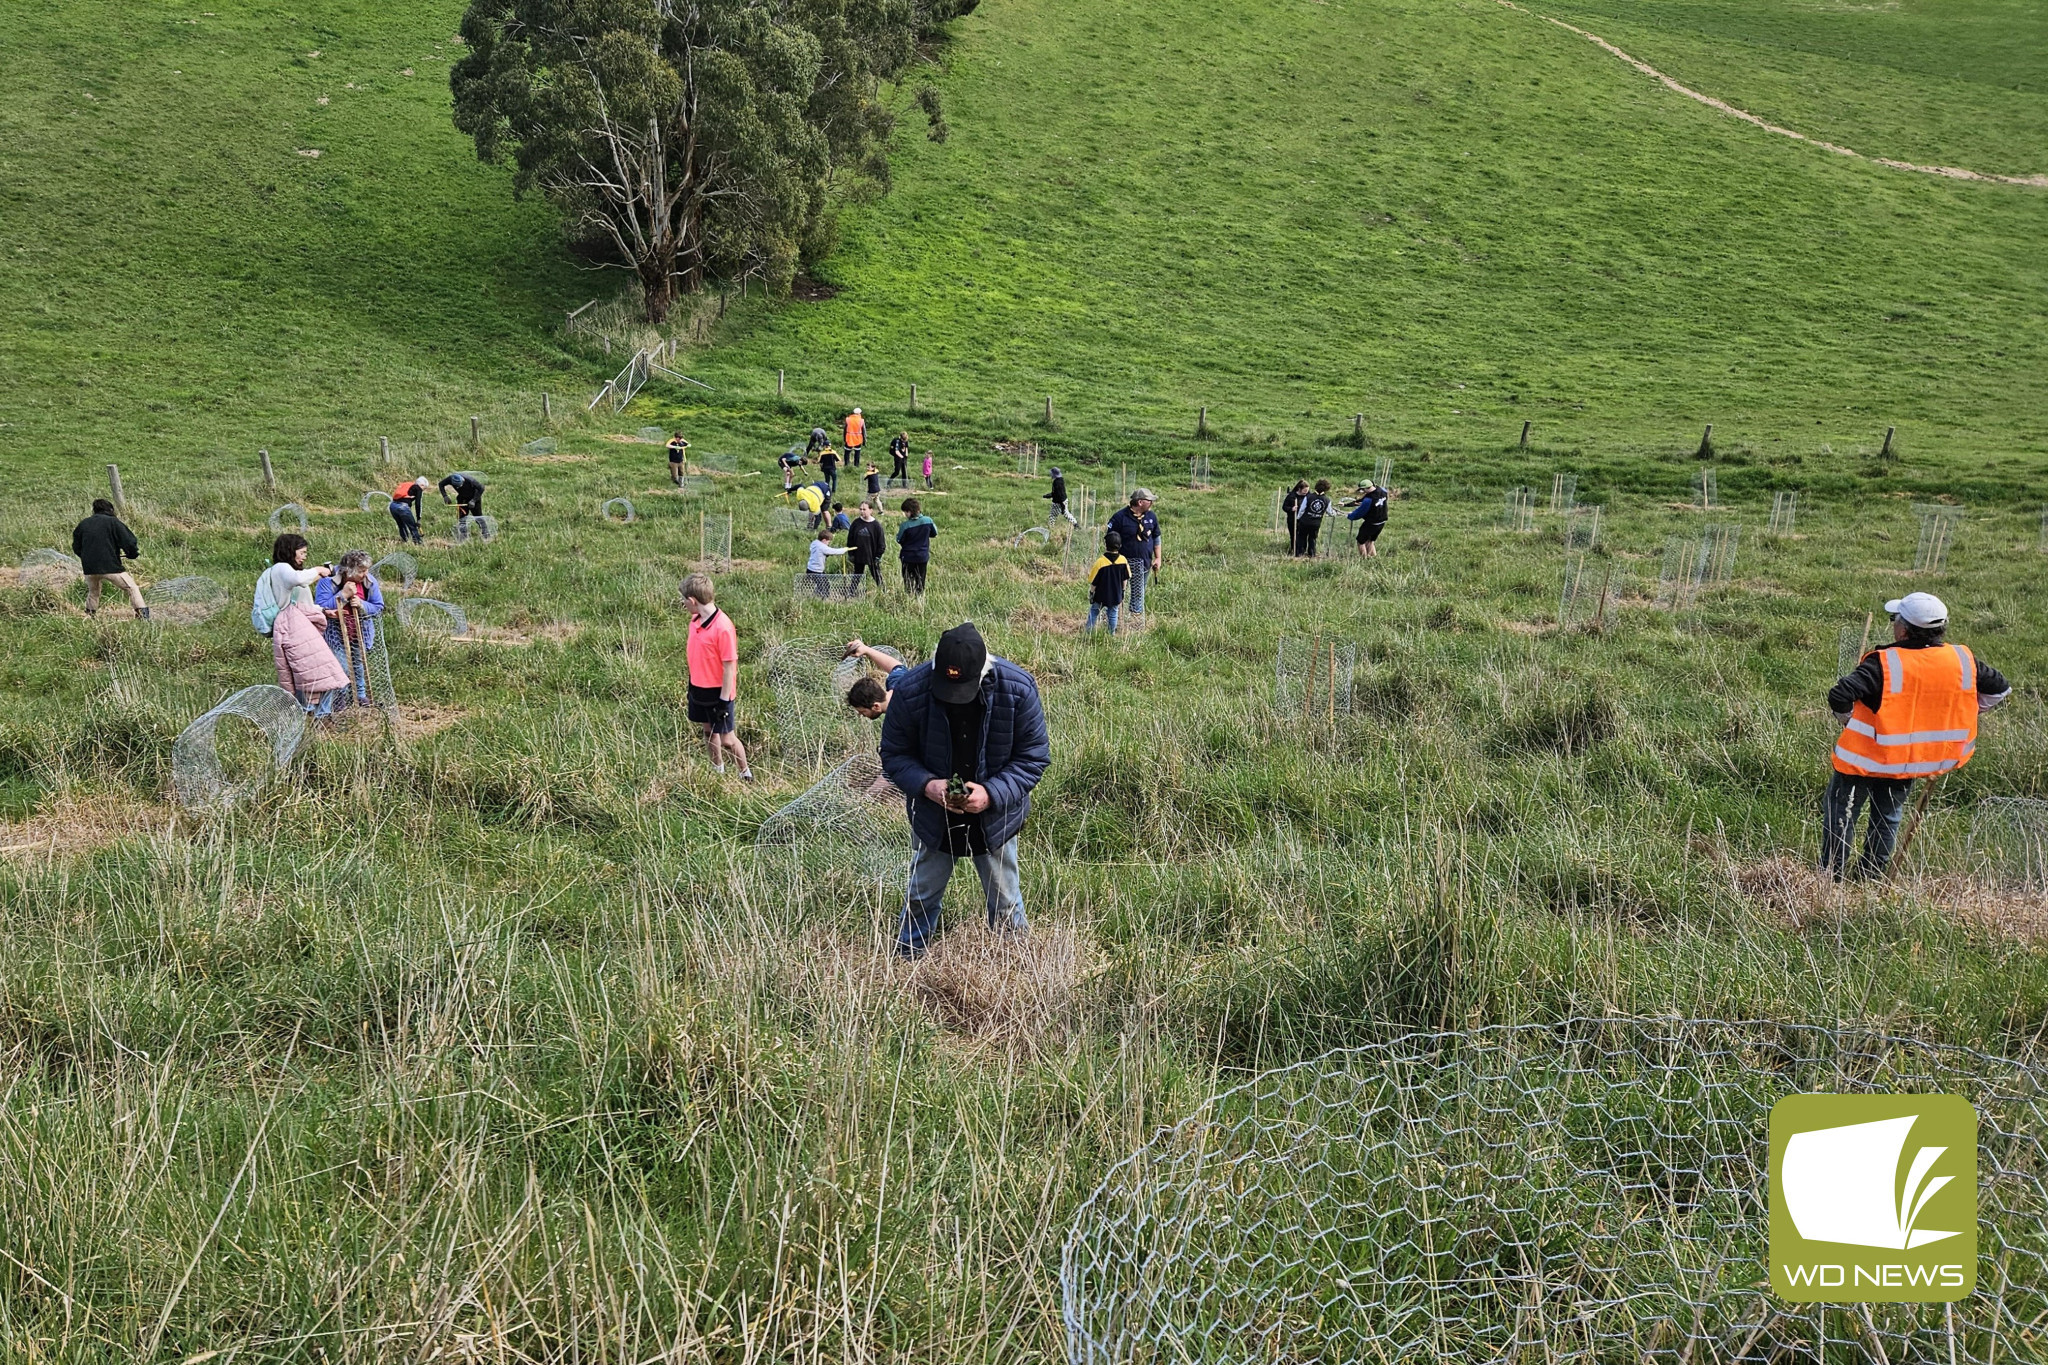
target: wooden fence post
114 483
547 410
1048 409
1358 429
1707 441
384 449
1886 453
1525 435
476 426
1201 422
913 398
778 384
269 474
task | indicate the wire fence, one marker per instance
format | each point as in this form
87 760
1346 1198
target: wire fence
1938 525
850 821
187 600
213 770
1573 1194
1313 677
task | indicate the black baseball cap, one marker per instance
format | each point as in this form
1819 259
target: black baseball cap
957 665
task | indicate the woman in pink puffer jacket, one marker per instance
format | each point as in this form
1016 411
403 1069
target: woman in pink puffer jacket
306 667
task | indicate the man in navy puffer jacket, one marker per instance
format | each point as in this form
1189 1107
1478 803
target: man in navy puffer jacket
964 740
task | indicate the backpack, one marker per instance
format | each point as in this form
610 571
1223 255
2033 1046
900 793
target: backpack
263 611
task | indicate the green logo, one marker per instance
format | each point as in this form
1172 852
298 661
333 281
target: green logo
1873 1198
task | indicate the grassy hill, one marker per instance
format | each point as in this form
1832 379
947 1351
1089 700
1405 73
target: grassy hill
494 1038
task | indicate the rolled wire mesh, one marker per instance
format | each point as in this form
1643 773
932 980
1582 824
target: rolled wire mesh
2009 843
369 670
49 568
1590 1192
477 528
430 616
811 715
851 820
199 781
540 445
618 509
1851 644
185 600
827 587
290 517
1044 536
399 565
373 500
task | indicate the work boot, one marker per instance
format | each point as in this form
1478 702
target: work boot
92 611
142 613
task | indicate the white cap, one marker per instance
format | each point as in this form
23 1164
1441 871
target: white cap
1921 609
856 412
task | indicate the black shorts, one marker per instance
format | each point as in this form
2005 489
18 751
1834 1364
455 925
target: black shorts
708 708
1369 531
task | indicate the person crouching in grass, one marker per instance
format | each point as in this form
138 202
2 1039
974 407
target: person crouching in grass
714 676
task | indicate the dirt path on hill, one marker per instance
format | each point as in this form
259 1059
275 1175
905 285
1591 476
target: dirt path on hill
1951 172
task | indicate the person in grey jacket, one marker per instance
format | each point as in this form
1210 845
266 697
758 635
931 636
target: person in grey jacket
964 739
101 541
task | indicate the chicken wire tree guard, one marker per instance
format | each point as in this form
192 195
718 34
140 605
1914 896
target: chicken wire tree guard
692 140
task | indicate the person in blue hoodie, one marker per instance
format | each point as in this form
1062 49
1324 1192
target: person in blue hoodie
964 739
1371 515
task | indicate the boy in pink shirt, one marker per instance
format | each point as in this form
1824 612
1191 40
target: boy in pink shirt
714 675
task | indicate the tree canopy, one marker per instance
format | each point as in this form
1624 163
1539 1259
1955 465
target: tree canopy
693 138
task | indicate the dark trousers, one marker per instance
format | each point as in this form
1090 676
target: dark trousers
872 568
408 524
1839 809
913 575
901 469
1306 531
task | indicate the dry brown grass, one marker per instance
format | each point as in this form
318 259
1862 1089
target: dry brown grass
1014 992
1039 621
1795 893
79 822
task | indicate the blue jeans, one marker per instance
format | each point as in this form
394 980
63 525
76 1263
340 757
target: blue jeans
1141 570
1839 808
1096 609
1002 889
339 696
408 524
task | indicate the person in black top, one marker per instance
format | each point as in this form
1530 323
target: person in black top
874 489
100 542
867 538
468 492
1290 507
899 455
1308 519
1058 498
828 468
1370 512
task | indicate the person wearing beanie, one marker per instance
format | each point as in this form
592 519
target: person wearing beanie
1058 498
468 495
964 739
1140 532
101 542
1106 582
1907 710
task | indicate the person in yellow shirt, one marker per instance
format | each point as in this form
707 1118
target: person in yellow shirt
811 498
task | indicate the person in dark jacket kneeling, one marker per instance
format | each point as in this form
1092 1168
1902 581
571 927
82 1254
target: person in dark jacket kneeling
964 738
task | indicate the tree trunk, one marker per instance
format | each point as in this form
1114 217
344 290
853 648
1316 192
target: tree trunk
658 287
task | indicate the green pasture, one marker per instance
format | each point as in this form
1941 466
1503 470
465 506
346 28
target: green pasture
491 1038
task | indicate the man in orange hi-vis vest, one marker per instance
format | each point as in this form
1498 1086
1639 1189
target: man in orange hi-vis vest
1907 710
856 435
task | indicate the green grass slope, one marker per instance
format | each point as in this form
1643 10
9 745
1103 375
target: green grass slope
1293 212
184 282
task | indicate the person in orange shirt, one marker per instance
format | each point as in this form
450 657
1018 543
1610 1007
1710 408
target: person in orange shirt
856 436
405 507
713 677
1907 710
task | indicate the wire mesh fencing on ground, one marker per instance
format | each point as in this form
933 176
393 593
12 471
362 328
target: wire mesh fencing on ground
850 821
468 529
399 565
50 568
204 777
290 517
2008 844
431 616
1590 1191
186 600
808 676
617 509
